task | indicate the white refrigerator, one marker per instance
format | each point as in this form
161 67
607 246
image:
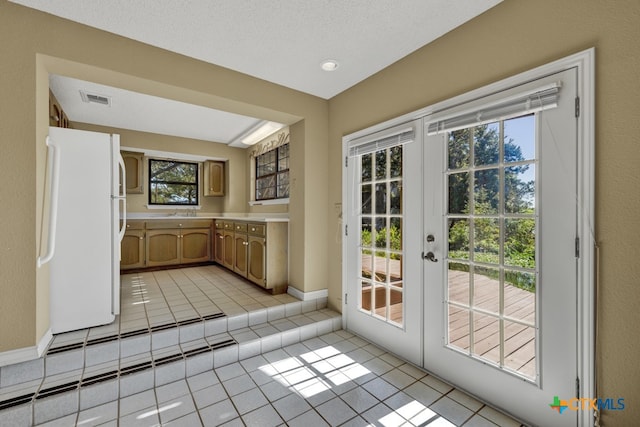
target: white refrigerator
86 224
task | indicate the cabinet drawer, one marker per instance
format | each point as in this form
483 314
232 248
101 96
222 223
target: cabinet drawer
257 229
219 225
228 225
179 223
135 225
195 223
240 227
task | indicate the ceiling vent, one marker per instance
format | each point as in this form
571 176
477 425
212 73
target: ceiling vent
95 98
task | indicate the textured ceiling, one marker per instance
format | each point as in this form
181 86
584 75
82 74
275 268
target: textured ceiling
281 41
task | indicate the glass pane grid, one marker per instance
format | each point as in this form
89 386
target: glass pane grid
491 244
380 181
272 174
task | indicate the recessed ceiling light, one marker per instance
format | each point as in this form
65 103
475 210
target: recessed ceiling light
329 65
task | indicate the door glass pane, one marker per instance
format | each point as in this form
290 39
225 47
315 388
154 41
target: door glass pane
458 149
486 289
459 327
519 348
492 288
486 337
365 193
380 301
486 240
486 191
459 238
395 197
459 193
395 305
519 136
459 283
396 162
381 235
486 144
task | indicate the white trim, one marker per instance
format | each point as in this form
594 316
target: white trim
26 354
306 296
283 201
44 342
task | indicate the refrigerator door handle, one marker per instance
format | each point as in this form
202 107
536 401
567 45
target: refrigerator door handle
123 196
53 164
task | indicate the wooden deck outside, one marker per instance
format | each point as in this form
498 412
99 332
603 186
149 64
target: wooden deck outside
519 340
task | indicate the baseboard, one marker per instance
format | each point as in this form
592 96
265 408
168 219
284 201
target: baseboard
27 353
44 342
306 296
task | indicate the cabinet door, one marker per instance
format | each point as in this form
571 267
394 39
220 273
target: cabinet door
257 257
163 247
240 247
218 243
196 245
132 250
133 163
227 259
213 178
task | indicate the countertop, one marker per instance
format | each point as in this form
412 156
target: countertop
163 216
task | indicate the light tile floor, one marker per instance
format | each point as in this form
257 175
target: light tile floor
156 298
337 379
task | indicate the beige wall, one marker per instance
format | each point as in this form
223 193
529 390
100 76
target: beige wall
34 44
514 37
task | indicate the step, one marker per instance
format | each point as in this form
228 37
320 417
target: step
180 353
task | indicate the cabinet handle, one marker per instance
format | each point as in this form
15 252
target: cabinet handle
141 238
220 237
245 243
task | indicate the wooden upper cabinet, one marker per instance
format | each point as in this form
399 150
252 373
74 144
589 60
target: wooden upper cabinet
213 178
133 163
57 116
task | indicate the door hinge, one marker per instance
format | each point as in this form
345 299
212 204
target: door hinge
578 387
577 106
346 298
346 161
346 229
577 248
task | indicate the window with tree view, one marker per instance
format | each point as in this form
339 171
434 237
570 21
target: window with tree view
272 174
173 183
491 216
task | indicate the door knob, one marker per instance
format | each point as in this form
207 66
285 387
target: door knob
429 256
431 238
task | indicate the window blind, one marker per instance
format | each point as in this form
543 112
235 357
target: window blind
539 99
398 135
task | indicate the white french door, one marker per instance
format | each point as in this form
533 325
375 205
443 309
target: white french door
384 285
500 304
468 246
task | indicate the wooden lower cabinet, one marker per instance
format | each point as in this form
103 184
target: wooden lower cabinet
240 252
163 247
156 243
218 244
257 260
132 253
256 251
196 245
227 249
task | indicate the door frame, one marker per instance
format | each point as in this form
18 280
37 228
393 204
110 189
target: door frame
584 62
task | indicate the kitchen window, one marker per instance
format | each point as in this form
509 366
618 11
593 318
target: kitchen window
173 183
272 174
